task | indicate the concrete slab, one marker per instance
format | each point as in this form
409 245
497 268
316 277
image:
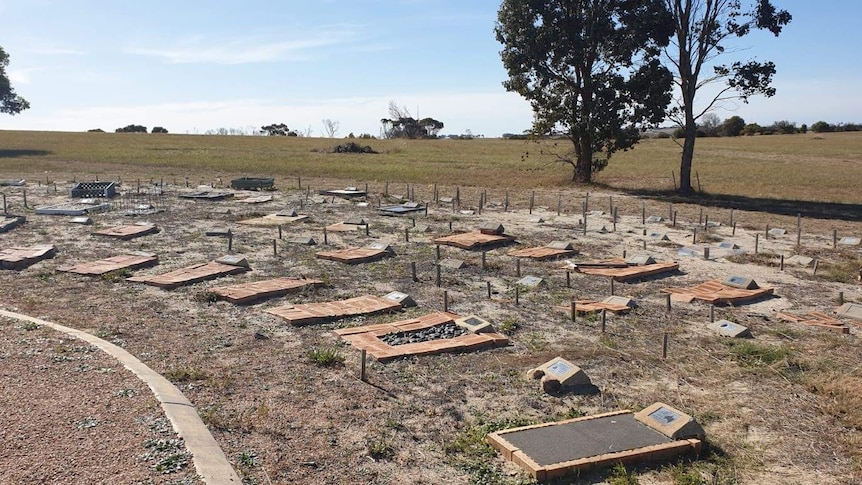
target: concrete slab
452 263
83 220
545 253
640 260
258 199
210 195
631 272
474 324
189 275
530 282
776 232
219 232
9 222
72 209
126 261
494 228
345 193
18 258
474 240
249 292
849 241
128 231
310 313
799 260
654 219
305 241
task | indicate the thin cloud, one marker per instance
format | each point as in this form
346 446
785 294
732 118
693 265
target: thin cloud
201 50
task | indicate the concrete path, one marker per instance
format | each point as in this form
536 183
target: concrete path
210 461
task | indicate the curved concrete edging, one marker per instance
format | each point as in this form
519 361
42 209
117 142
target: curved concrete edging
210 461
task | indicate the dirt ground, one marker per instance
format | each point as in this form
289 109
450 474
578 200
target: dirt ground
282 418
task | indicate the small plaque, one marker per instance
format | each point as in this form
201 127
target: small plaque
621 300
474 324
664 416
355 221
850 310
233 260
688 252
362 204
559 368
640 260
286 213
305 241
654 219
445 200
728 245
492 228
81 220
800 260
741 282
727 328
466 212
381 246
452 263
411 205
659 236
529 281
562 245
777 232
219 232
849 241
401 298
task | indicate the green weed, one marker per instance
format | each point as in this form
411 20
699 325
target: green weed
326 356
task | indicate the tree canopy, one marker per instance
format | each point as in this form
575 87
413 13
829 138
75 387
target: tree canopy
702 30
590 69
401 124
278 129
10 102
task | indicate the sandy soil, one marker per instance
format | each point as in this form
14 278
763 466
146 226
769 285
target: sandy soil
282 419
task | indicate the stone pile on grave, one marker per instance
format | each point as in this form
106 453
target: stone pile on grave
726 328
559 375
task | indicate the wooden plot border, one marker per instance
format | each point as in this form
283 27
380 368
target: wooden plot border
715 292
127 232
257 290
368 338
543 253
114 263
659 452
189 275
816 319
593 306
630 272
18 258
309 313
475 239
353 255
273 220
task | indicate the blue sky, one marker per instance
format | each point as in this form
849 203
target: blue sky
193 66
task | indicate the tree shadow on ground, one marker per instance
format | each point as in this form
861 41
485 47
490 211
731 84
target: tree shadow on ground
23 152
809 209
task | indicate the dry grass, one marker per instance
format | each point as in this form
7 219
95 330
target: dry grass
777 167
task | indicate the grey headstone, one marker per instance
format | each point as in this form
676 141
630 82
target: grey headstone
849 241
453 263
741 282
286 213
492 228
800 260
621 300
305 241
411 205
654 219
474 324
688 252
640 260
659 236
529 281
233 260
713 224
850 310
727 328
81 220
445 200
777 232
563 245
356 221
401 298
727 245
381 246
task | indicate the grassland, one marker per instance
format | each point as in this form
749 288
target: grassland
803 167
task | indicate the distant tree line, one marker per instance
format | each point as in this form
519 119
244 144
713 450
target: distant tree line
132 129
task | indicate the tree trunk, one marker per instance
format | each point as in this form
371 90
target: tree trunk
687 157
584 163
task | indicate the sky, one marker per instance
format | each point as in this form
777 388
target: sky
193 66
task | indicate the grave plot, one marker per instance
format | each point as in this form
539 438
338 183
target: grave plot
86 190
129 231
206 195
816 319
349 225
18 258
252 183
374 252
258 290
613 304
9 222
73 208
553 250
308 313
474 240
114 263
732 291
346 193
228 265
405 208
435 333
622 270
277 219
258 199
552 450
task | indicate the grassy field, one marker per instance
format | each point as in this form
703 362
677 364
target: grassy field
804 167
